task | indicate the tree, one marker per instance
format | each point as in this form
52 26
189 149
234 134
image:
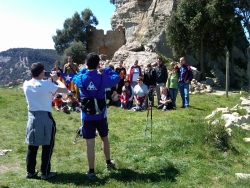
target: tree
204 26
242 9
74 29
77 50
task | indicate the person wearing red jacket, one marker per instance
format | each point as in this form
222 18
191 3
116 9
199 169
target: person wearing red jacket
133 73
124 98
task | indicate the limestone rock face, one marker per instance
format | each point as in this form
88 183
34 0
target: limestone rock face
129 58
144 21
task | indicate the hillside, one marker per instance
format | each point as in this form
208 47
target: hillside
15 62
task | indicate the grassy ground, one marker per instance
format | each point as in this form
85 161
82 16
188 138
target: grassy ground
186 151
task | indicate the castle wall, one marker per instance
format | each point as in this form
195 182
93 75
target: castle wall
106 44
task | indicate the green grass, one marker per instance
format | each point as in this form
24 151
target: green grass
186 151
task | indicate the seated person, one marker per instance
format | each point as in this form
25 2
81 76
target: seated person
115 99
72 103
140 95
130 92
124 98
166 100
57 101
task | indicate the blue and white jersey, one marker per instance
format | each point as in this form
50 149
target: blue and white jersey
95 84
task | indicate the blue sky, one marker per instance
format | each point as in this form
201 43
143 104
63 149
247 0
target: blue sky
32 23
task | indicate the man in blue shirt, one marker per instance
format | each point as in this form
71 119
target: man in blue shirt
184 77
92 86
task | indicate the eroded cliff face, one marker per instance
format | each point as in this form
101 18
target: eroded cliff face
144 21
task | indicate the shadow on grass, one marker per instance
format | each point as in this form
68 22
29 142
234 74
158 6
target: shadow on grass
122 175
195 108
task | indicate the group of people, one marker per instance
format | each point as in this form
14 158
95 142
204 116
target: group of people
93 82
138 86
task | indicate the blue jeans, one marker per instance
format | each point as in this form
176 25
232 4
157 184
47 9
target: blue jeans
173 92
184 91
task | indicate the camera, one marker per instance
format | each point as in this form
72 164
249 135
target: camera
47 74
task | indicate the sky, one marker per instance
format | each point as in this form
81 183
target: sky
32 23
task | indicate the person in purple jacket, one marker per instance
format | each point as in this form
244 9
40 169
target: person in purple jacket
92 86
185 75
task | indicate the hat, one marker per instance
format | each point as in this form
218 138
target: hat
124 89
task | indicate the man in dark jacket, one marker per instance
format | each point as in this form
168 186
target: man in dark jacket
161 77
122 72
149 81
185 75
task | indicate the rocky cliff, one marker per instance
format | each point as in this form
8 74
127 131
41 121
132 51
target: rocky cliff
144 21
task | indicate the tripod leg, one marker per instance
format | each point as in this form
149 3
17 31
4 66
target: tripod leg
151 124
145 130
74 142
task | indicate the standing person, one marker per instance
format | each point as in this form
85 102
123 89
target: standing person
133 73
70 67
41 127
122 72
57 69
185 75
149 81
172 84
161 77
92 86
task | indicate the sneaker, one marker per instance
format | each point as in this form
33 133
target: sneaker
31 175
110 166
91 176
50 175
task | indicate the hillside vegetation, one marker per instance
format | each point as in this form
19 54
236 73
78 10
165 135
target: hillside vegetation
184 151
15 62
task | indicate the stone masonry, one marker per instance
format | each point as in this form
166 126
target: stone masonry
106 44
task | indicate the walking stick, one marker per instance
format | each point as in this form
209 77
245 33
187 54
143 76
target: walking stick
151 120
145 130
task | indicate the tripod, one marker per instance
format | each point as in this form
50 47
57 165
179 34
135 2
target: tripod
151 122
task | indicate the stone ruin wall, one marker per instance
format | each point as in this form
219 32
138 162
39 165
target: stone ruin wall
106 44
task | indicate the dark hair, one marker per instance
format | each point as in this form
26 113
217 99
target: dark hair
36 69
159 58
166 89
111 67
58 96
92 60
57 62
140 78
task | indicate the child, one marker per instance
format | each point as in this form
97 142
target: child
166 100
115 99
124 97
72 103
57 101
